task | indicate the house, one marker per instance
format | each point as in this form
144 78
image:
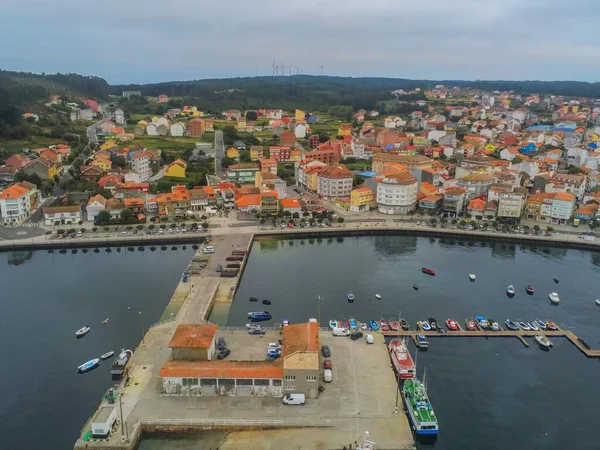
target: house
476 207
412 162
269 203
300 353
279 153
248 203
140 164
302 170
300 131
556 207
242 173
16 203
291 205
272 182
509 153
397 194
95 204
256 152
575 184
196 127
17 160
7 174
476 184
587 212
115 207
329 157
136 205
163 98
43 167
287 138
345 130
178 129
268 165
454 200
362 199
101 163
510 205
334 182
119 117
431 203
62 215
176 169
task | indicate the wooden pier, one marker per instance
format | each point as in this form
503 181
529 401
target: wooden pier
519 334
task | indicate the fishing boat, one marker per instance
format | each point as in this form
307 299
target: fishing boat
543 342
555 280
259 315
119 364
374 325
403 363
433 323
533 326
529 289
482 322
394 325
425 325
541 324
470 324
107 355
253 299
510 290
404 324
105 321
551 326
378 297
523 326
384 325
88 365
427 271
511 325
416 287
494 325
82 331
422 342
451 324
472 276
353 324
350 296
420 412
553 296
266 302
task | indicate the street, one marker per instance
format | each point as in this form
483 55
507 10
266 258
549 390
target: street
219 154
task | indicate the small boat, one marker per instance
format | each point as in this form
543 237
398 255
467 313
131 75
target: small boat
471 325
374 325
494 325
364 325
378 297
511 325
451 324
259 315
285 322
404 324
533 326
82 331
422 341
88 365
384 325
253 299
598 301
524 326
105 321
541 324
551 326
353 324
344 324
416 287
107 355
510 290
543 342
266 302
555 280
185 277
425 325
394 325
350 296
252 326
433 323
482 322
427 271
472 276
333 324
553 296
529 289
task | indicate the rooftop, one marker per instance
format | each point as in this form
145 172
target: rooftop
222 369
193 336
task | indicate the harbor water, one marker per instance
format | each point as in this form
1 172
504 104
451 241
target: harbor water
45 299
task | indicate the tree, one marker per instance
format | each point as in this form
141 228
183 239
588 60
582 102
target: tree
226 162
463 223
574 170
251 116
173 226
433 222
140 227
82 230
162 226
129 228
257 215
340 220
287 214
517 160
357 180
305 214
126 215
549 229
443 221
526 228
454 222
95 229
151 226
274 223
489 217
262 221
296 215
103 216
106 229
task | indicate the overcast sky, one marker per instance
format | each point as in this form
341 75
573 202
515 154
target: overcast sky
133 41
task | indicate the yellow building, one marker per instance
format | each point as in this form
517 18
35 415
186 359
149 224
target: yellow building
107 145
233 152
312 180
241 125
300 115
176 169
490 148
256 152
345 130
361 199
295 155
102 163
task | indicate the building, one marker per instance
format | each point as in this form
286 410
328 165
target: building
196 342
63 215
397 194
431 203
575 184
44 168
178 129
300 352
115 207
362 199
587 212
271 182
563 205
291 205
15 204
176 169
256 152
334 182
163 98
103 164
7 175
304 173
555 207
510 205
287 138
196 127
279 153
329 157
95 204
268 165
476 184
454 200
242 173
269 203
412 162
17 161
140 164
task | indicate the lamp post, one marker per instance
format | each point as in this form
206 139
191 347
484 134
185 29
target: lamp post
142 323
319 309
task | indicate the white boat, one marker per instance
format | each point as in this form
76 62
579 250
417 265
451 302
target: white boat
350 296
252 326
472 276
598 301
83 331
105 321
364 325
378 297
333 324
554 298
510 289
88 365
543 341
107 355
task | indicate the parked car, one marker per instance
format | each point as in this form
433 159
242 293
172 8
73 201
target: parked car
327 364
219 268
356 335
223 354
256 331
325 351
294 399
340 332
221 345
369 338
328 375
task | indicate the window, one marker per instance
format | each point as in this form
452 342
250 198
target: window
276 382
311 378
261 382
190 381
290 388
244 382
290 377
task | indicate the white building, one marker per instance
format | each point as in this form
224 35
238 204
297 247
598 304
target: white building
94 206
303 169
334 182
119 117
397 194
65 215
178 129
15 204
140 164
300 131
563 205
152 129
358 150
510 205
574 184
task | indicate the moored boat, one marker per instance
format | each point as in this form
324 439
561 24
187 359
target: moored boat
252 326
541 324
418 407
425 325
433 323
344 324
494 325
510 290
364 325
470 324
482 322
266 302
285 322
543 342
253 299
427 271
378 297
107 355
350 296
374 325
119 364
333 324
384 325
89 365
402 362
551 326
533 326
451 324
529 289
422 342
553 296
524 326
105 321
511 325
82 331
416 287
394 325
598 301
259 315
555 280
185 277
472 276
404 324
353 324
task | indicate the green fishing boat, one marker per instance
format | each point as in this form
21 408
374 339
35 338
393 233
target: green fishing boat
418 407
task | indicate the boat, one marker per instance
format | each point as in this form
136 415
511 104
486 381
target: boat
403 363
353 324
470 324
88 365
185 277
378 297
427 271
555 280
404 324
259 315
483 324
553 296
422 342
433 323
494 325
107 355
253 299
451 324
105 321
543 341
384 325
533 326
523 326
541 324
510 290
374 325
266 302
529 289
364 325
119 364
551 326
425 325
252 326
511 325
598 301
333 324
350 296
416 287
472 276
394 325
285 322
420 412
82 331
344 324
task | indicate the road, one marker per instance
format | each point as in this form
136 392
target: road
219 154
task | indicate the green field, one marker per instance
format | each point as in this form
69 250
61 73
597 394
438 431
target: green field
172 143
8 147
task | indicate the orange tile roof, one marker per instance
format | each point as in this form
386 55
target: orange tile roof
12 192
248 200
222 369
97 198
363 189
290 203
193 336
131 202
301 337
477 203
403 178
566 196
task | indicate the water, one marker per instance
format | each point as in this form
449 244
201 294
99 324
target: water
45 299
489 394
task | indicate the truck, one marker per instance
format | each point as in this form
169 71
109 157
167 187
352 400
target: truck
575 222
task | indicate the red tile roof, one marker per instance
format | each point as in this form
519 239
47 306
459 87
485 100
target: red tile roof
302 337
222 369
193 336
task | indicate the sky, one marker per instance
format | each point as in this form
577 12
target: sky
133 41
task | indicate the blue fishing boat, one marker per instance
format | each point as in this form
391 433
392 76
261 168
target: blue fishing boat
541 324
524 326
88 365
353 324
374 325
422 341
259 315
511 325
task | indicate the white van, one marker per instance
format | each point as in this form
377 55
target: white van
369 338
328 375
294 399
340 332
208 249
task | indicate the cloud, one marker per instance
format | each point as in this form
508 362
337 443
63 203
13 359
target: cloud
131 41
